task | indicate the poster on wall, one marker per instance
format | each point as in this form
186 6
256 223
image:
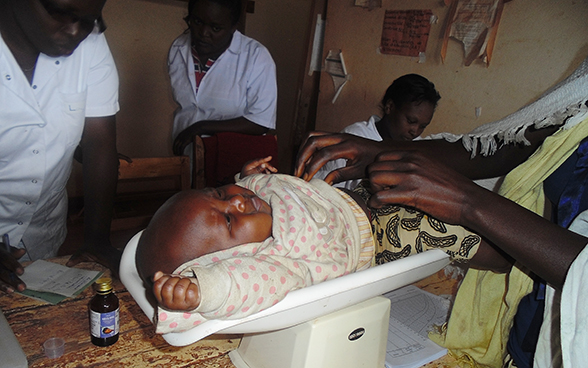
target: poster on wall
474 23
369 4
405 32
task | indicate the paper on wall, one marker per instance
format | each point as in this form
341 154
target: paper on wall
335 66
474 23
317 45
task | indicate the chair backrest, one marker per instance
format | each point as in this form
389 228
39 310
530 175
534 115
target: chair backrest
144 184
218 158
156 167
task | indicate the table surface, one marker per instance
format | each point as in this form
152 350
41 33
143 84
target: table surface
34 321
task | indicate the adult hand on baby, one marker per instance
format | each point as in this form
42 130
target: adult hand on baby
183 139
175 292
412 179
320 148
259 166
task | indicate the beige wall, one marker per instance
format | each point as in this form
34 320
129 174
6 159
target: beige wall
539 42
140 33
282 26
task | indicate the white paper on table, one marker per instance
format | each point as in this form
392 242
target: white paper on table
55 278
413 312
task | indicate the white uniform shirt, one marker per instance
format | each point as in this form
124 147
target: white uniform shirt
40 126
364 129
241 82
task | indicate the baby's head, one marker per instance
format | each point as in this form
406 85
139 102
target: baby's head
197 222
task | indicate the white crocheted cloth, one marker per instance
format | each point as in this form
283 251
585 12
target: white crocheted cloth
565 102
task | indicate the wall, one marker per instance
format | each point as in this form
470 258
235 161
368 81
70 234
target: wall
140 33
539 43
283 26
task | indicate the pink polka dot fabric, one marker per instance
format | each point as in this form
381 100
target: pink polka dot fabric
313 240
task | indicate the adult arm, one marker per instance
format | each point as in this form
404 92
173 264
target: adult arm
210 127
413 179
100 171
319 148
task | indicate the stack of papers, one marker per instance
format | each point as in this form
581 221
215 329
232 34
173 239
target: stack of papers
413 313
52 282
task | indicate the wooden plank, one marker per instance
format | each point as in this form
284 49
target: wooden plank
153 167
198 171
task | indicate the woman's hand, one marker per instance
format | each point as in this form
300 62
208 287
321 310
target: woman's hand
259 166
183 139
320 148
177 293
10 269
412 179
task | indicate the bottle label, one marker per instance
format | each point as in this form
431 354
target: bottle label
103 325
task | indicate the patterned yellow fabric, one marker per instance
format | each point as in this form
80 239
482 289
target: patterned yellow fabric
401 231
477 331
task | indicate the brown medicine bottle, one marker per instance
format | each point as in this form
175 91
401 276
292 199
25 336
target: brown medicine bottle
104 323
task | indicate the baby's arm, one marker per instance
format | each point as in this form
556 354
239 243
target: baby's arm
259 166
177 293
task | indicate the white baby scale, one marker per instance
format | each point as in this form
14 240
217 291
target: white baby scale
338 323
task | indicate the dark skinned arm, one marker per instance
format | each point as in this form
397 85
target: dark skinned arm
100 172
320 147
413 179
210 127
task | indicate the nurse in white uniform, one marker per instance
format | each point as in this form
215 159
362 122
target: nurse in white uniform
58 91
222 80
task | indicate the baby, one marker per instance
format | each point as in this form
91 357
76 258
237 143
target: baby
238 249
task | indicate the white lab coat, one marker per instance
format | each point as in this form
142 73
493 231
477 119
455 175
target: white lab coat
242 82
40 126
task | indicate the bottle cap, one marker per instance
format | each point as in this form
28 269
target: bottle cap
103 284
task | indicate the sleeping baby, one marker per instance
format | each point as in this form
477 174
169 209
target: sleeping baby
232 251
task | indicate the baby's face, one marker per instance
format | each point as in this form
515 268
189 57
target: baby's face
231 215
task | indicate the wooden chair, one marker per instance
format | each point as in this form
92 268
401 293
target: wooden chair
144 184
218 158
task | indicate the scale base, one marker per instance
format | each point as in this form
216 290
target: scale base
352 337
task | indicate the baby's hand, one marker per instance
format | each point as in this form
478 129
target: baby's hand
177 293
259 166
